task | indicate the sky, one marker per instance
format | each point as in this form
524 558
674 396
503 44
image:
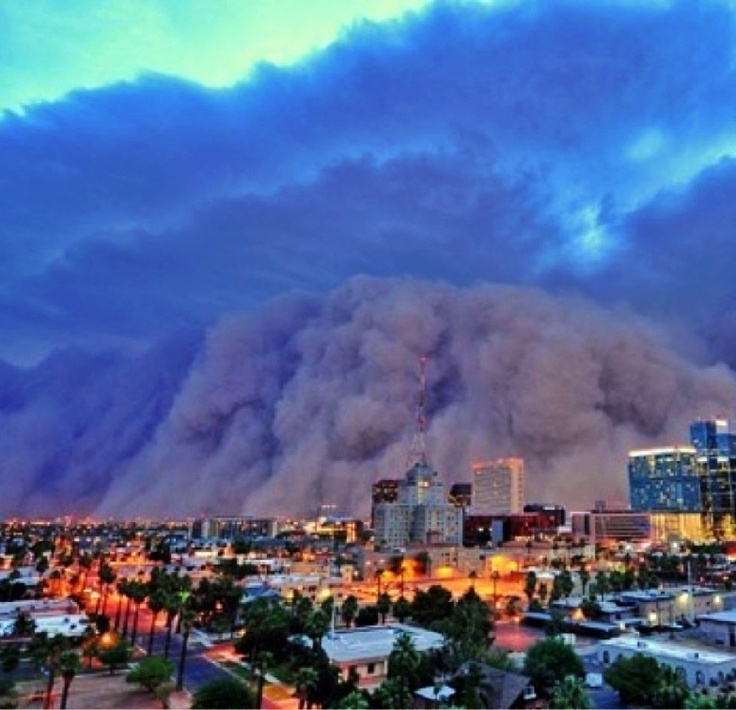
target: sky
203 203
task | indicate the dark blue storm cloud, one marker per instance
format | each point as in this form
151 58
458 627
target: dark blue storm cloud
584 149
522 143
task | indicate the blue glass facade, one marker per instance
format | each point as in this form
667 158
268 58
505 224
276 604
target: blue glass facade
665 479
715 449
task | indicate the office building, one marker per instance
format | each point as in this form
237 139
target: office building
715 448
613 526
386 490
461 495
665 479
421 513
498 487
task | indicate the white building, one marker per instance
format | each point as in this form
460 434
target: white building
421 514
697 667
366 650
498 487
719 628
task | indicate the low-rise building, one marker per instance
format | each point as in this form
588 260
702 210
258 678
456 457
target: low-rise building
696 667
719 628
365 650
667 606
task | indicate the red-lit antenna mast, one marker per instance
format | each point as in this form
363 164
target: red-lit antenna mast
418 450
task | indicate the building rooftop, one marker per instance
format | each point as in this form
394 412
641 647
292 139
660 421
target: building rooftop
668 649
369 642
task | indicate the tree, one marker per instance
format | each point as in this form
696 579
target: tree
403 663
223 693
266 628
349 609
8 693
355 699
431 605
137 591
467 630
171 607
260 664
69 665
156 604
602 584
151 673
367 616
306 682
317 626
115 655
187 620
24 625
402 609
107 576
9 658
383 605
550 661
569 694
670 689
391 693
634 678
590 608
584 578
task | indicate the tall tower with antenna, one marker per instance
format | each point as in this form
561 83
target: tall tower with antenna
418 449
421 512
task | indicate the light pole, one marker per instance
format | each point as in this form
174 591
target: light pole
494 578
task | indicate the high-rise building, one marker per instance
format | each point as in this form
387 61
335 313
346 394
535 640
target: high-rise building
665 479
461 495
421 513
498 487
385 490
715 448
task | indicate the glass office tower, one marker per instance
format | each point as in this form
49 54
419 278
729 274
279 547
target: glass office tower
665 479
715 449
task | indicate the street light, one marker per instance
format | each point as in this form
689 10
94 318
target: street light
494 578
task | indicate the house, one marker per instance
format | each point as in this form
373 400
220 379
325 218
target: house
365 650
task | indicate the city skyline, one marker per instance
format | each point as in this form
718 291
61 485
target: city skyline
220 265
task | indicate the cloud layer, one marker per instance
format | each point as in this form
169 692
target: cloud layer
198 250
544 143
312 400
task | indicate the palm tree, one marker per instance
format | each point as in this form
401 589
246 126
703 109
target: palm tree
24 625
262 662
137 593
171 606
584 578
384 606
121 587
317 626
306 681
402 609
349 609
570 693
107 577
156 604
403 663
69 666
187 616
84 561
379 576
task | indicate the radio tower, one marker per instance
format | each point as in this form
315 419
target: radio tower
418 450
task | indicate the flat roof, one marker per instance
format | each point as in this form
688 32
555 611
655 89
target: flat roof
723 616
661 450
374 642
669 649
